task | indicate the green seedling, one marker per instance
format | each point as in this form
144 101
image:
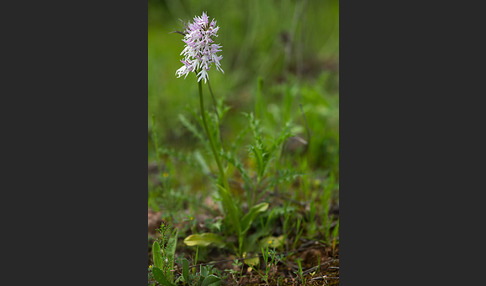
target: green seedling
163 251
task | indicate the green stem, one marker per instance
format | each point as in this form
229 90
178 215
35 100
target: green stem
211 141
228 203
217 114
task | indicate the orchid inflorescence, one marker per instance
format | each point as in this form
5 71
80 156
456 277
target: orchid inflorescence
200 52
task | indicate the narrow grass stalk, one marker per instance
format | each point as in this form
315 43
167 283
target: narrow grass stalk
195 260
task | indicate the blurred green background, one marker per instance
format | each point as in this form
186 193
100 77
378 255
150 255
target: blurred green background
293 46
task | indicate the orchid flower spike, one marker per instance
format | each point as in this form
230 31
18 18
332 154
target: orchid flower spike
200 50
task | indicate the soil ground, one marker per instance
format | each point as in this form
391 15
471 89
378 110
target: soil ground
320 262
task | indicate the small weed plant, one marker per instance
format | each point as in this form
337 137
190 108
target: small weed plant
163 251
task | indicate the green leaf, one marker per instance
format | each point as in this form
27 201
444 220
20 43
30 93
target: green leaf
171 244
251 215
272 241
159 276
191 128
157 255
202 162
252 261
211 280
204 270
204 239
231 209
185 269
170 253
